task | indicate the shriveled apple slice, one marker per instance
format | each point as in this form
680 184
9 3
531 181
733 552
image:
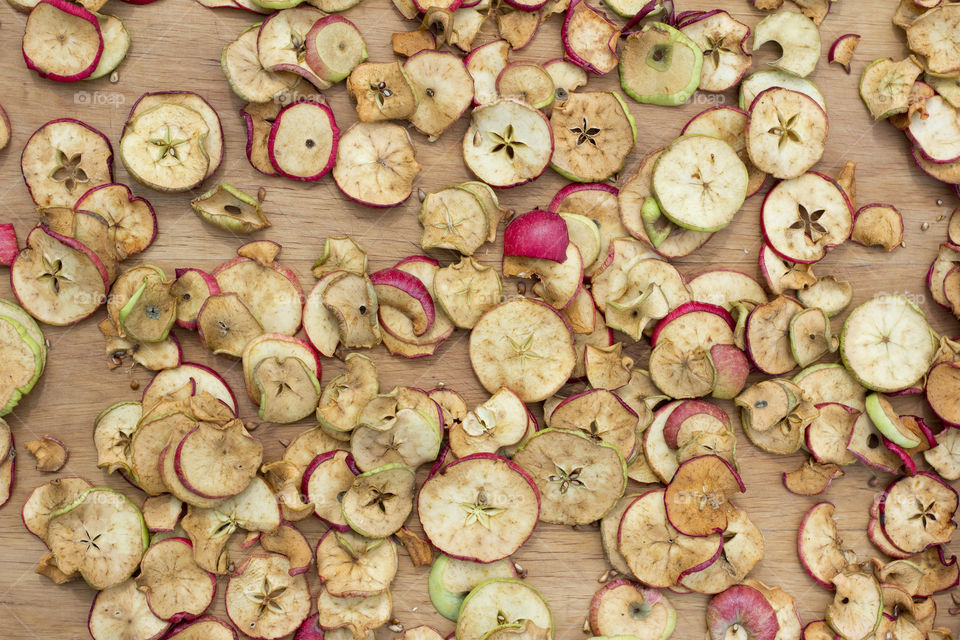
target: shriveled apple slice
660 65
345 396
245 73
121 537
508 143
357 615
176 588
526 81
353 566
606 367
743 548
203 628
804 217
23 363
412 439
382 91
164 147
594 133
598 202
453 218
466 290
282 43
828 436
622 607
379 501
886 86
56 279
741 609
132 221
499 422
696 498
857 605
798 37
451 580
49 498
887 344
121 611
502 601
150 312
867 445
458 505
609 531
376 164
878 225
726 54
831 383
191 288
764 404
518 27
484 64
290 543
600 414
658 554
272 292
917 512
226 324
8 469
444 87
932 39
830 295
811 337
534 359
589 38
161 513
786 132
717 191
50 453
579 479
781 275
62 41
325 480
263 598
820 546
218 462
633 293
289 390
557 282
945 456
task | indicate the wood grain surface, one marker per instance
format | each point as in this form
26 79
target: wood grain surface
176 45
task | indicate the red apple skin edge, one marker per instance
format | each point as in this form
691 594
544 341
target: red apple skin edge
78 12
537 234
314 464
85 126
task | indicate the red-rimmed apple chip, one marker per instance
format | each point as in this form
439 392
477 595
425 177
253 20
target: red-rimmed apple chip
697 497
121 611
351 565
49 498
820 547
917 512
376 164
218 462
62 41
176 588
264 600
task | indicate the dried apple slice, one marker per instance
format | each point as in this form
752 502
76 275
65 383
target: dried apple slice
49 498
730 125
226 324
345 396
605 367
917 512
518 27
444 87
830 295
282 43
534 363
382 91
598 202
56 279
660 65
841 51
887 344
51 454
696 498
458 504
798 37
263 598
132 221
175 587
340 253
726 54
451 580
412 439
786 133
579 479
63 159
828 436
498 422
334 47
115 523
886 86
350 565
589 38
812 478
658 554
810 336
218 462
303 141
502 601
857 605
325 481
203 628
820 547
594 133
711 200
466 290
245 73
804 217
526 81
741 609
289 389
164 147
453 218
191 288
602 415
272 292
62 41
743 548
379 501
508 143
376 164
356 616
161 513
150 312
557 282
945 456
932 38
484 64
121 611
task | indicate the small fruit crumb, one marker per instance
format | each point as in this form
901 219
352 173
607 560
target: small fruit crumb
586 626
261 194
924 226
521 572
134 385
521 288
939 202
114 78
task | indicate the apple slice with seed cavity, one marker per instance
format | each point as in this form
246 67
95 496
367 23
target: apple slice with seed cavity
191 288
346 395
451 580
786 132
121 611
828 436
132 220
600 414
353 566
303 141
325 480
811 337
917 512
606 367
730 125
579 479
376 164
467 481
594 133
334 47
886 86
508 143
466 290
798 37
658 554
622 607
289 390
804 217
444 87
340 253
498 422
379 501
357 616
226 324
271 291
62 41
660 65
282 43
63 159
218 462
857 605
176 588
412 438
726 54
164 147
48 498
264 600
743 548
696 498
502 601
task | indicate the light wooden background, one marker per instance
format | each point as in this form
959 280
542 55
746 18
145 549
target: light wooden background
176 45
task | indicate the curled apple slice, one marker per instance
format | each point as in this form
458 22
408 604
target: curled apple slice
121 534
47 499
62 41
346 395
466 533
412 438
502 601
696 498
379 501
484 64
931 38
357 615
264 600
132 221
589 38
500 421
121 611
886 86
334 47
466 290
658 554
622 607
176 588
218 462
917 512
945 456
272 292
579 479
812 478
247 76
878 225
820 546
353 566
857 605
376 164
723 41
203 628
282 43
191 288
786 132
326 479
743 548
444 87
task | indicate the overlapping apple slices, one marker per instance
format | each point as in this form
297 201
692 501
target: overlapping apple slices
623 607
501 603
265 600
351 565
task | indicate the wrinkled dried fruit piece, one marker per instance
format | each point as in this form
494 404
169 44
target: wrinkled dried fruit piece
382 92
230 209
622 607
379 501
811 337
798 37
917 512
820 547
589 38
444 88
350 565
358 615
121 611
786 133
933 38
726 54
453 218
697 496
857 605
885 86
660 65
51 454
376 164
264 600
741 609
841 51
176 588
594 133
499 601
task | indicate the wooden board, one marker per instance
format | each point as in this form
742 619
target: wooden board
177 46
